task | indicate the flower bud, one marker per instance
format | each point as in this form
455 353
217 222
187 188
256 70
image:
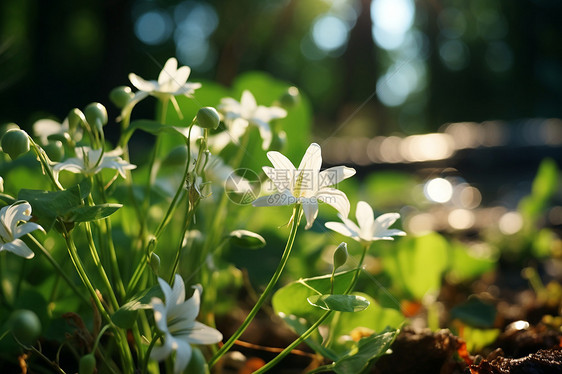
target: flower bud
75 119
96 115
340 255
25 326
290 98
120 96
247 239
6 127
1 184
15 142
155 262
87 364
208 118
54 150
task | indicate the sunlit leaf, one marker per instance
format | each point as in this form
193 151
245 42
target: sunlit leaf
367 352
91 213
126 316
339 303
292 299
416 264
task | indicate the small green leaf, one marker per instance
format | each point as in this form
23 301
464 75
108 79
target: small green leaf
475 312
126 316
292 298
340 303
247 239
48 205
91 213
367 352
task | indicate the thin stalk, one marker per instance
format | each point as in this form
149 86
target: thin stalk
297 212
58 269
120 337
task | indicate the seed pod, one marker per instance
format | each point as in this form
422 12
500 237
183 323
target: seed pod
340 255
15 142
96 115
87 364
208 118
25 326
55 150
75 119
120 96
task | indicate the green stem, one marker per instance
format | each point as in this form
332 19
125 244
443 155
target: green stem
57 267
121 338
316 324
297 212
99 266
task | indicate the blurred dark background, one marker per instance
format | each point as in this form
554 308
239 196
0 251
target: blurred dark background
398 65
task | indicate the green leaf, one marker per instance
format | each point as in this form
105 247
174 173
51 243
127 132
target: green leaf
416 264
339 303
91 213
476 339
126 316
367 352
292 298
375 318
467 265
475 312
48 205
246 239
544 187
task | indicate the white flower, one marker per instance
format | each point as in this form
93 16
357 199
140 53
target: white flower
1 184
11 231
175 319
171 82
306 185
91 161
239 115
370 229
44 128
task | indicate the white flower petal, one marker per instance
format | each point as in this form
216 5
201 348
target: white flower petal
178 291
168 71
162 352
334 175
336 199
277 199
26 228
167 290
281 162
365 218
386 220
18 247
310 208
142 84
342 229
248 104
312 159
180 78
203 334
266 135
160 314
183 355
